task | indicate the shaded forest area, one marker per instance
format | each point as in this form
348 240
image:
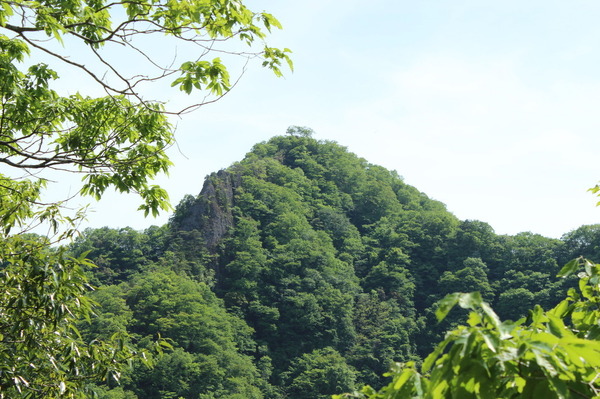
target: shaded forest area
303 271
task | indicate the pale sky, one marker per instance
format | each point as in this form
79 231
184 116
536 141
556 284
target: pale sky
492 108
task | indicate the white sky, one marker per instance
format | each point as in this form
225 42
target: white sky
492 108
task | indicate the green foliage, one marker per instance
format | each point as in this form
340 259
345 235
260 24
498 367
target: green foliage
114 393
383 335
325 250
118 142
555 355
318 375
584 241
117 253
300 131
42 352
112 315
304 271
515 301
473 277
207 339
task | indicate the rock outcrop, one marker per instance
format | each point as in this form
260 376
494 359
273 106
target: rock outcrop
211 212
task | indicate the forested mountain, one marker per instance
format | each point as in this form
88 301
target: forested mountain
303 271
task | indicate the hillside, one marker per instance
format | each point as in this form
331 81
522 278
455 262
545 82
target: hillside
302 271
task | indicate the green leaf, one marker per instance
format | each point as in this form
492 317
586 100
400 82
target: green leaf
557 327
404 376
446 305
561 309
570 268
433 356
492 316
492 341
470 300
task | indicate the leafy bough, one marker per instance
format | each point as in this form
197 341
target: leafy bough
549 354
116 141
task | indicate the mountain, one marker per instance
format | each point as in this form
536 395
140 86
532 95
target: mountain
303 270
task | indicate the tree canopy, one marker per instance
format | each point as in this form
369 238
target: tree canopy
117 140
300 271
549 354
336 267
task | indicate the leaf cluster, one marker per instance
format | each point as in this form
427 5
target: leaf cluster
117 141
42 353
552 354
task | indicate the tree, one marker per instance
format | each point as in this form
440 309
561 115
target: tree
473 277
208 340
318 375
383 336
583 241
41 351
116 252
116 141
555 355
300 131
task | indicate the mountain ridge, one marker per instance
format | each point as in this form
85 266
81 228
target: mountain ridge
328 266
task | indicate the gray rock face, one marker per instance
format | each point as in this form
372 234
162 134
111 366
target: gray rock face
211 212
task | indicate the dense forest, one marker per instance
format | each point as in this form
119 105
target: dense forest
304 271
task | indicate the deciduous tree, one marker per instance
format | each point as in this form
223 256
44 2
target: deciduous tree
118 141
551 354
